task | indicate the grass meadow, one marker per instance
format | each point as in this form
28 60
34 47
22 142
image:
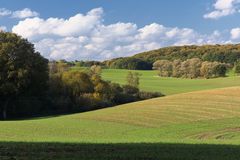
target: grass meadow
198 125
149 81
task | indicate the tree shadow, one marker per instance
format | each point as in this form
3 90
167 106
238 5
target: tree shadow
121 151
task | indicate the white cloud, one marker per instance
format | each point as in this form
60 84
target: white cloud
218 13
74 26
20 14
224 4
223 8
25 13
5 12
235 33
85 36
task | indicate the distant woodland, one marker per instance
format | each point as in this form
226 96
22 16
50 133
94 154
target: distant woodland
208 61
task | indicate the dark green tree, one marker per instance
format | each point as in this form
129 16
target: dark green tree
131 63
23 71
220 70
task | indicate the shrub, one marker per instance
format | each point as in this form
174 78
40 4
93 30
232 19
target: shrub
220 70
147 95
237 67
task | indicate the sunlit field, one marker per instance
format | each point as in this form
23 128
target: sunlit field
149 81
202 117
119 80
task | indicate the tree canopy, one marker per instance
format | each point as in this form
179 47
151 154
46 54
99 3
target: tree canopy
23 71
221 53
191 68
143 61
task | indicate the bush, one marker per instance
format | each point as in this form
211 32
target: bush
129 89
220 70
237 67
148 95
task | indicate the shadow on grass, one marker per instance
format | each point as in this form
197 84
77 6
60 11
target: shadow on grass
131 151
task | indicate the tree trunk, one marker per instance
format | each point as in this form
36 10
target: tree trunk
4 112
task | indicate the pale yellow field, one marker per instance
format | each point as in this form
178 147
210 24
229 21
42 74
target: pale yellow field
180 108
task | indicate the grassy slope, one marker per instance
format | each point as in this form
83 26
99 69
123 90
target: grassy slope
182 126
191 117
151 82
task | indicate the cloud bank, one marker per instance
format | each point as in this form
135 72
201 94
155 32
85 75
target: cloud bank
86 37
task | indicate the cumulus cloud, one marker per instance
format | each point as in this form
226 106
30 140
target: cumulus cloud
5 12
223 8
25 13
86 37
74 26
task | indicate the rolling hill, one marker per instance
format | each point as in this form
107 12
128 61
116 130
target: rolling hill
201 125
229 53
186 117
223 53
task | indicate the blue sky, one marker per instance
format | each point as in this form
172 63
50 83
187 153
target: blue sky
104 29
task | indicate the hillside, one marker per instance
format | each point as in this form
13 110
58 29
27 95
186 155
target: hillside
222 53
142 61
176 109
188 118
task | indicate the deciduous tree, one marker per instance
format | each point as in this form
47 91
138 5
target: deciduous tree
23 71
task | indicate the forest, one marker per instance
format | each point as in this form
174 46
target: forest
30 85
144 61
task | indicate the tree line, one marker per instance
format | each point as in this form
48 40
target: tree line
190 68
31 85
229 54
86 90
128 63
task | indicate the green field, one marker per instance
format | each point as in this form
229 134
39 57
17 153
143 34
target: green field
196 125
149 81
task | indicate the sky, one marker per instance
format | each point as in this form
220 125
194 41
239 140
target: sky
105 29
